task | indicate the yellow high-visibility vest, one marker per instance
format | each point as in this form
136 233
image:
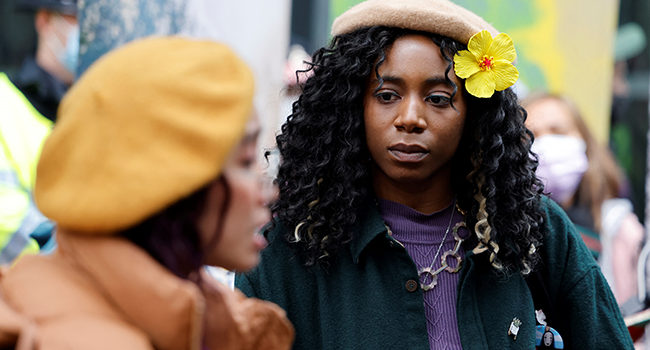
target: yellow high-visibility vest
22 132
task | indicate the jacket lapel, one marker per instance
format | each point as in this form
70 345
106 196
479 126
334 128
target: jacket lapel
168 309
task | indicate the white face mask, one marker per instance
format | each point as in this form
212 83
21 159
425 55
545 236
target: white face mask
66 52
562 163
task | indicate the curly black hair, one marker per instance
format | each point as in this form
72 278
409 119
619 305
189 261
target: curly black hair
324 175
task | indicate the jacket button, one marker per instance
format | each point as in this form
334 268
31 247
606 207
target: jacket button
411 285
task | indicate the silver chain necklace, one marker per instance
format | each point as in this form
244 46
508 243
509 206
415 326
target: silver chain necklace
428 270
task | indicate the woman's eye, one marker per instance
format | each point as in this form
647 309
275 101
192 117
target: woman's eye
438 100
247 156
248 162
386 96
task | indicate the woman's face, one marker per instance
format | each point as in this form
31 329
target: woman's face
238 245
411 128
551 117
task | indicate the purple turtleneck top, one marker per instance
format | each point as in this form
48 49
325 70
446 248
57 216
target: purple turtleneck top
421 235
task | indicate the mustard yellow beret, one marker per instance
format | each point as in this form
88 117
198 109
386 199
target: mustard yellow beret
145 126
433 16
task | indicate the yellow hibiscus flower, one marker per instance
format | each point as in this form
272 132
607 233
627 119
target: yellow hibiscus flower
487 64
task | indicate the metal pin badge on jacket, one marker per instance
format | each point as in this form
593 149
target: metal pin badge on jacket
514 327
540 316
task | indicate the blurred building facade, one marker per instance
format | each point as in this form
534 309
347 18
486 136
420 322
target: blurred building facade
630 124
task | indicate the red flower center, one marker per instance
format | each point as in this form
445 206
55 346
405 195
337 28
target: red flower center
486 62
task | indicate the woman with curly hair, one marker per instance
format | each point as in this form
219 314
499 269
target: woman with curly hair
409 214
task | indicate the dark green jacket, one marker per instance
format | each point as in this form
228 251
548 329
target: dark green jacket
364 299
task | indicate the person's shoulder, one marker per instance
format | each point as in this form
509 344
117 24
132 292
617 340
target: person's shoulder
553 211
562 247
86 331
557 228
44 287
32 272
50 286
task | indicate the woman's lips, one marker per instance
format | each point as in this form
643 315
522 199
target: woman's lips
259 241
408 153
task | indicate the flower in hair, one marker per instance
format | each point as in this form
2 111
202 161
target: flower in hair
487 64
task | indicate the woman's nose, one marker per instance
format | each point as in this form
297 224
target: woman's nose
268 190
411 118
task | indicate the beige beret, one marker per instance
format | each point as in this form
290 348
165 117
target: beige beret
434 16
145 126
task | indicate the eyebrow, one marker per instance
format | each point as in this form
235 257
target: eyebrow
398 80
252 136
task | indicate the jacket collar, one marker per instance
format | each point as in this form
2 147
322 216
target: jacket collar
369 225
167 308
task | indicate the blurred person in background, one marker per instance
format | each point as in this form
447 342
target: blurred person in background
583 177
148 180
45 77
29 103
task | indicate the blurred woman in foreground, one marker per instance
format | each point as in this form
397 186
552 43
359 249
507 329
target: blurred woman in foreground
150 174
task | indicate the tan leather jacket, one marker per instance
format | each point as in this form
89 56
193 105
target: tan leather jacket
107 293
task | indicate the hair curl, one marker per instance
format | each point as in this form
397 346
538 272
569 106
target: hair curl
324 173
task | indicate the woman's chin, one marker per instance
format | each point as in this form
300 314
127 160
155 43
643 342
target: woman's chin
252 263
242 264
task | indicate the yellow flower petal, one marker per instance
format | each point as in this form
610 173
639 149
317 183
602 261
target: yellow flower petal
504 75
480 43
490 68
465 64
503 48
481 84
